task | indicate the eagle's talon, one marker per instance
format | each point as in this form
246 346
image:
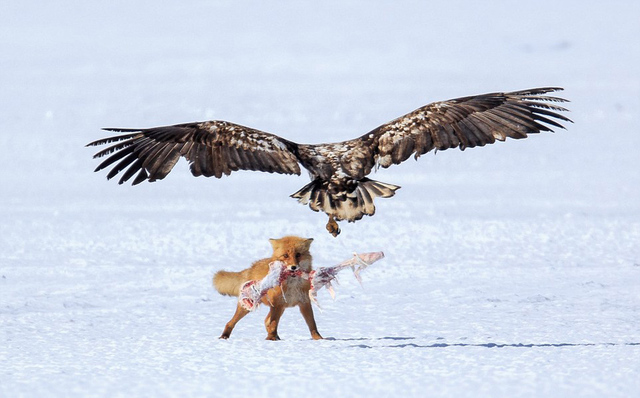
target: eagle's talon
332 227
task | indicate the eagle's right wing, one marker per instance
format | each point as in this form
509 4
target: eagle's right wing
465 123
212 148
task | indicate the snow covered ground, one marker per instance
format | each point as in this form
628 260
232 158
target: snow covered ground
510 270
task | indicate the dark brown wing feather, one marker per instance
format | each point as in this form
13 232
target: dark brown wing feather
212 148
463 123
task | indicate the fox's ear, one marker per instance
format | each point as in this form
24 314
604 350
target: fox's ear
273 242
307 242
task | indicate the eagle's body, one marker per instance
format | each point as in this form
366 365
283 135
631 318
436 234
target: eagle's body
339 185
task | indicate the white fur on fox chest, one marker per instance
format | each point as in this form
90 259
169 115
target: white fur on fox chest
296 291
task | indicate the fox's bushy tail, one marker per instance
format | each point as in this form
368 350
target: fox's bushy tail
228 283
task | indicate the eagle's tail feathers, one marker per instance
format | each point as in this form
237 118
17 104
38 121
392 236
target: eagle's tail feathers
377 188
350 206
304 194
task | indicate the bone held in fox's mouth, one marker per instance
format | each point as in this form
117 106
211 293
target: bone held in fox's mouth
252 292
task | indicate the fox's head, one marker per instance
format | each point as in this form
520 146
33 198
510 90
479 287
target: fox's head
293 251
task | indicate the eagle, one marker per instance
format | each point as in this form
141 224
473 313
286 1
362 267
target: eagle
339 185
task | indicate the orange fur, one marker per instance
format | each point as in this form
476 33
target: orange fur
294 253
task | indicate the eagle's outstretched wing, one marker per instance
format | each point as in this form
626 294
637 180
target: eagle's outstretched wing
212 148
464 123
339 185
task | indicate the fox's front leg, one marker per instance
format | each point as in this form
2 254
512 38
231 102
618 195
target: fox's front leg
240 313
307 313
271 322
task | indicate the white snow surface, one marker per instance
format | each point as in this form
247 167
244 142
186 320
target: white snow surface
511 270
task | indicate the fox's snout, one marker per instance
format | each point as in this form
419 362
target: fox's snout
292 267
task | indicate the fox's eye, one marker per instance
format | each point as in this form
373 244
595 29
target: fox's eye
298 255
286 255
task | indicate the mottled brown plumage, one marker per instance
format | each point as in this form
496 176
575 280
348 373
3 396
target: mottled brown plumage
338 171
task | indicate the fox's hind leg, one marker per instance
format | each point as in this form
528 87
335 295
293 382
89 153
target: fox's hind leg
240 313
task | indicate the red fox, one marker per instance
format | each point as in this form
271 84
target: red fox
294 253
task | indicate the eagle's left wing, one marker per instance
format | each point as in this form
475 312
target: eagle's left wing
464 123
213 148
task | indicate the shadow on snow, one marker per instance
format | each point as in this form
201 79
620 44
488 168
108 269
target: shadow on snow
485 345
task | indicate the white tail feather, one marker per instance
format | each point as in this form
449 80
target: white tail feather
350 206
